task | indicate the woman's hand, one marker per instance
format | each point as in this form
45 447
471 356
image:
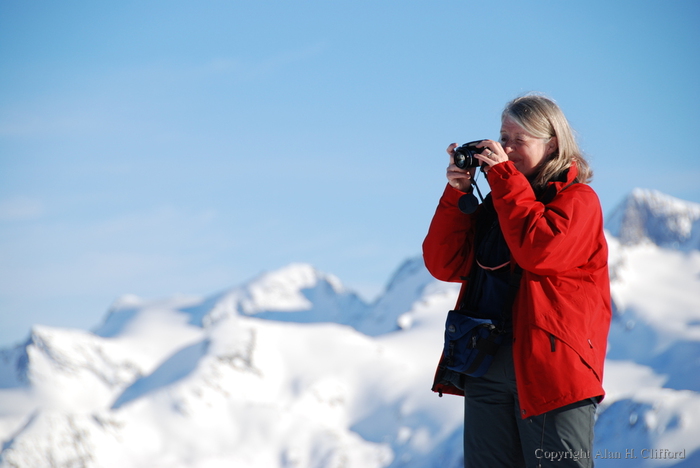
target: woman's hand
460 179
492 154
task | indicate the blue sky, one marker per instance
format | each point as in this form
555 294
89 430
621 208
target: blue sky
161 148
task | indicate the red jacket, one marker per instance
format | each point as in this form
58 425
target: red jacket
562 311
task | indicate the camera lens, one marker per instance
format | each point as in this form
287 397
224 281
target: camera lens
464 155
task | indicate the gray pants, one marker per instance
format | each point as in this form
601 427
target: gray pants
496 436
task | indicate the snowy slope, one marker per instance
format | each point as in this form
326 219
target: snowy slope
652 373
292 370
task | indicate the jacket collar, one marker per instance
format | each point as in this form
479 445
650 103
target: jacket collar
566 178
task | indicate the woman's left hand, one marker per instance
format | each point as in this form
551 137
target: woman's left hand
492 154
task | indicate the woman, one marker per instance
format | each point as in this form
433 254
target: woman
540 230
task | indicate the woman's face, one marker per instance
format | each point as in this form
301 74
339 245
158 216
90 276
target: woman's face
526 151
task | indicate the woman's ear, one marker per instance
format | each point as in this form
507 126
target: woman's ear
552 146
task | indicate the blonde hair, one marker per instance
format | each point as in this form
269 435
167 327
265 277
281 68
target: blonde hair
541 117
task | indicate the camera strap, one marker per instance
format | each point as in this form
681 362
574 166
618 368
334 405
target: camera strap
468 203
477 187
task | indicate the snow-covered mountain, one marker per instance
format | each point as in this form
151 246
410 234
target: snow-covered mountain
292 370
651 216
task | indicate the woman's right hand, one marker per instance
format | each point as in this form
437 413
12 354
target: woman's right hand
460 179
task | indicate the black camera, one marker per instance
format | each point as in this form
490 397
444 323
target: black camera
464 155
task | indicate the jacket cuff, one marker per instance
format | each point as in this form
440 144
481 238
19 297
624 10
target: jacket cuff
504 170
452 195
